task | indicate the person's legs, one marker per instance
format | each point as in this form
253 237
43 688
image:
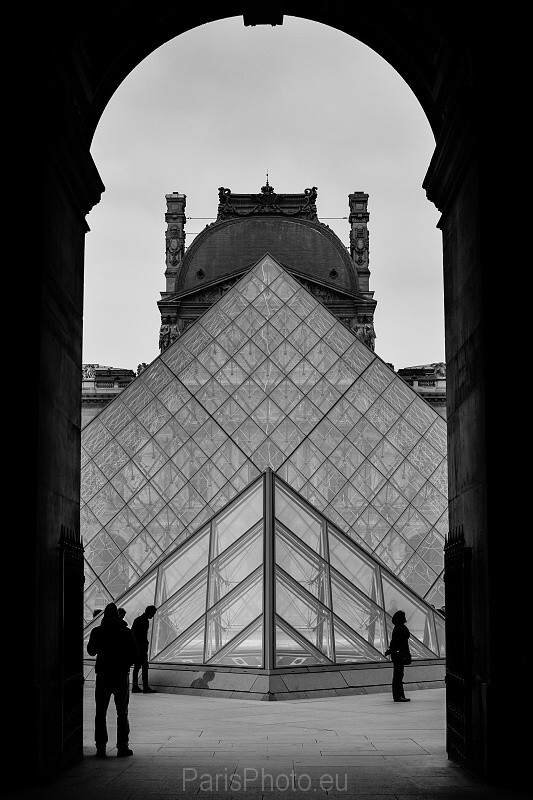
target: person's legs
102 695
397 680
122 697
145 673
135 677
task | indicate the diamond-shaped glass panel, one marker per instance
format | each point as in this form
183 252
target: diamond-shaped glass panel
150 458
110 459
171 437
235 564
187 648
300 521
190 559
419 619
153 416
304 614
359 569
115 417
339 339
302 564
239 518
179 613
293 650
349 647
358 612
233 613
245 650
128 480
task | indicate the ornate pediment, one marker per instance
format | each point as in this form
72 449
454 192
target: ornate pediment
267 202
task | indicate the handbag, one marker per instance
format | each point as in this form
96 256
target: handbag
406 658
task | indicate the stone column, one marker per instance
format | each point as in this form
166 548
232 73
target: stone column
174 237
359 251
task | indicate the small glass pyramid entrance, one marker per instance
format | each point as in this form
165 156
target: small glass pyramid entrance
266 379
269 582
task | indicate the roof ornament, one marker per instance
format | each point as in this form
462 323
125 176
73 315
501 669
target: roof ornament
267 188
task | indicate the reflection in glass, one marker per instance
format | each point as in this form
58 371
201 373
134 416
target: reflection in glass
419 619
245 650
178 613
301 563
294 651
354 565
190 559
349 647
233 613
235 564
239 518
187 648
358 612
304 614
299 521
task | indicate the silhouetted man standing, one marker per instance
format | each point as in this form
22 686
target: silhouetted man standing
113 645
139 630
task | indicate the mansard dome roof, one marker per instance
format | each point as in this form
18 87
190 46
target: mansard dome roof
230 246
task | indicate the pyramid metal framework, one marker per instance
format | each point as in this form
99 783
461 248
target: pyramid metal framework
266 379
270 582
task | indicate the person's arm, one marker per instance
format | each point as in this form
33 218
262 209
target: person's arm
133 650
392 643
92 645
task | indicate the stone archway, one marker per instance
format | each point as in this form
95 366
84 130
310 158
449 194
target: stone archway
86 54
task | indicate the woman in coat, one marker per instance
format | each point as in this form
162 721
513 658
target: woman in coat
400 655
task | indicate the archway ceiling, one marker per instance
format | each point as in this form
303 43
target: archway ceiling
112 38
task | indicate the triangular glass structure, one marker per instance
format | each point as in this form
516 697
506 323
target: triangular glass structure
285 589
266 379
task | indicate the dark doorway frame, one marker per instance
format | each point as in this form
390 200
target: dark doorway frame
73 58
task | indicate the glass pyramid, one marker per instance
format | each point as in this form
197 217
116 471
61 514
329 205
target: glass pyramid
266 379
270 582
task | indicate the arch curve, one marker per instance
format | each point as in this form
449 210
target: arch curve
417 39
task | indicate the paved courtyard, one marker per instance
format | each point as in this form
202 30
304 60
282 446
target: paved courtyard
363 746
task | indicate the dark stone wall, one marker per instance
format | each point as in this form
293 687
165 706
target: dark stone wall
69 59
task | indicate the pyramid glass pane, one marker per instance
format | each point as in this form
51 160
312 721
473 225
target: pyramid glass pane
358 612
303 565
294 651
233 613
179 612
298 520
238 519
349 647
187 648
419 618
180 568
268 378
235 564
304 614
245 650
352 562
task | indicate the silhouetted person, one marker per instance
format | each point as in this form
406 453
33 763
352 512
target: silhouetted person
114 647
122 615
400 655
139 630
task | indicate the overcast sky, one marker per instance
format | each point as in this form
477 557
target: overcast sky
221 105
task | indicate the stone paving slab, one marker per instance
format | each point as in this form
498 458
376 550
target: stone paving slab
362 747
